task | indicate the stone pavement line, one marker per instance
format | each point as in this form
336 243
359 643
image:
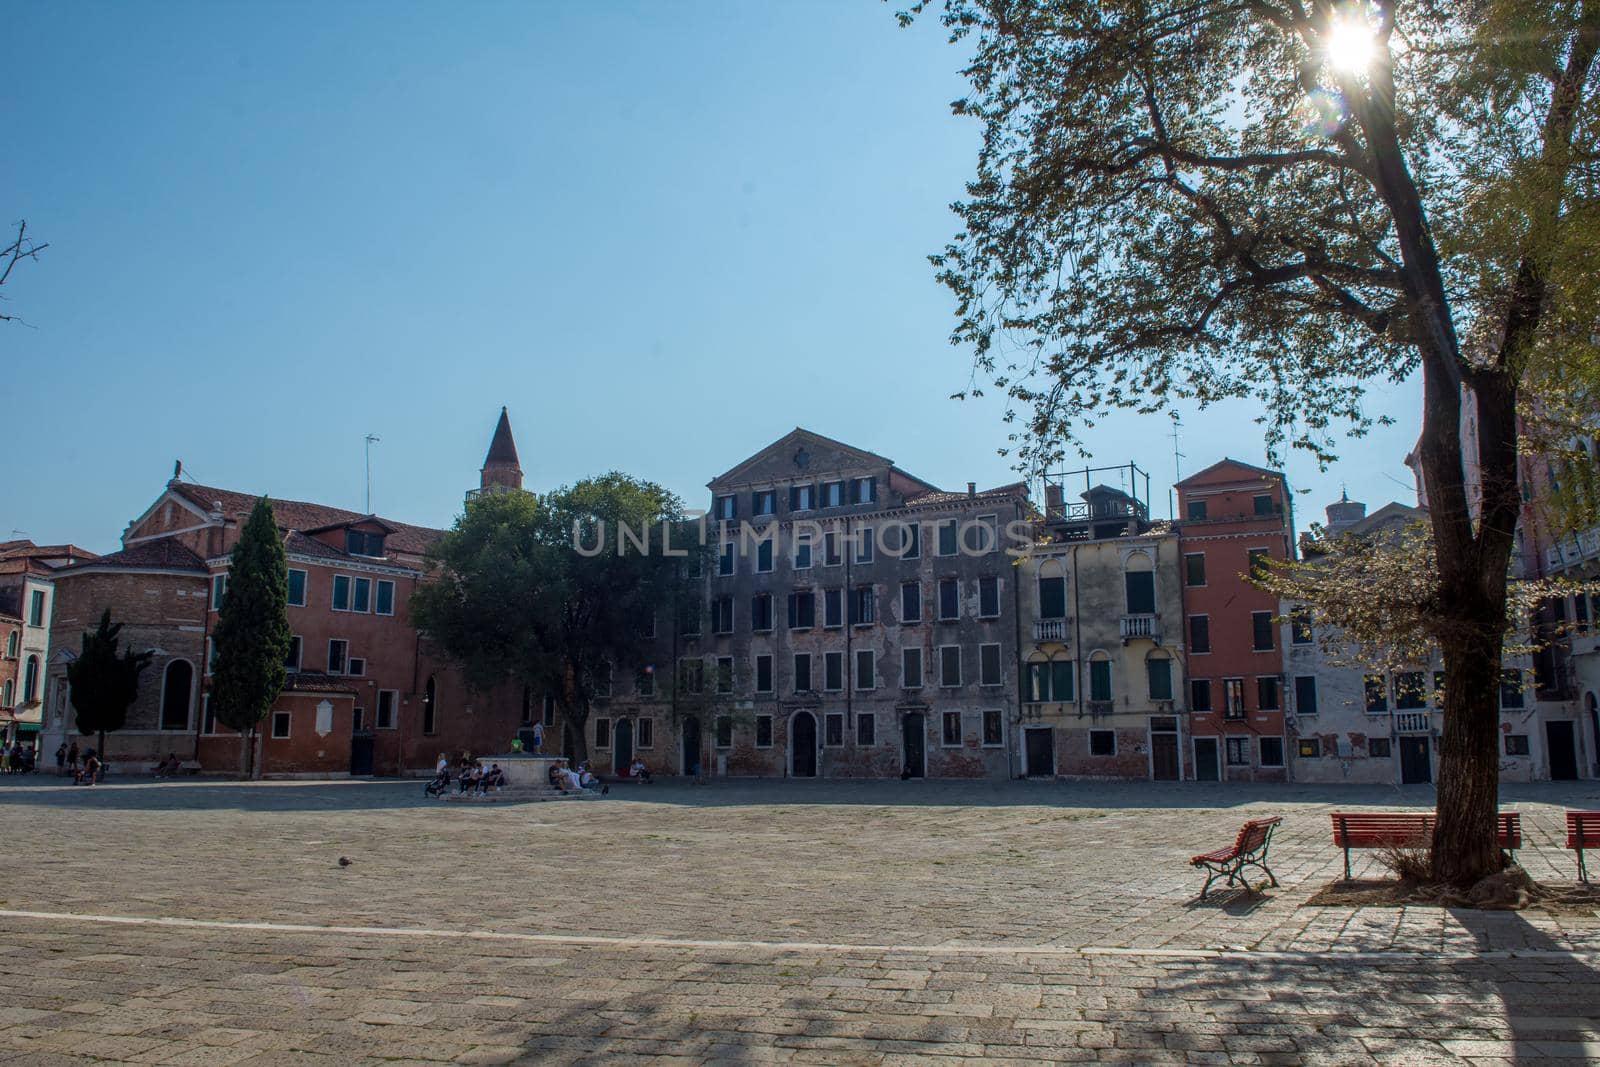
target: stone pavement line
1330 955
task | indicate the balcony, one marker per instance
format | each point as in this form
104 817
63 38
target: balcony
1412 722
1050 630
1141 627
1100 707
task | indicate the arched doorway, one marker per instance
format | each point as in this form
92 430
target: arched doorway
803 745
177 685
622 746
691 745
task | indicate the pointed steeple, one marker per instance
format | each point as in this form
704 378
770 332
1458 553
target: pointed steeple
501 466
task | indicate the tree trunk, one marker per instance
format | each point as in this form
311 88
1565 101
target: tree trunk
1464 837
100 750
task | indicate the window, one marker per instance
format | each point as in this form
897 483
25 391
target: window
1516 744
1300 626
764 556
1100 679
361 596
910 602
947 537
1377 694
833 729
911 668
1305 694
1267 692
950 665
1195 511
949 599
911 541
291 662
280 724
763 674
994 730
385 602
722 615
13 644
8 694
337 651
177 687
602 733
725 559
866 729
527 706
1261 631
1410 690
763 731
36 608
1378 747
864 545
866 669
951 729
1233 698
1258 562
341 592
988 664
802 497
760 612
1159 674
1200 694
863 490
549 712
1238 751
1141 591
363 543
1053 597
208 720
725 507
211 655
1511 688
644 681
802 672
724 674
1199 633
1309 748
863 605
1050 681
430 707
1102 742
692 675
832 608
831 555
802 551
219 590
647 731
988 597
802 610
1272 752
832 494
764 502
1194 568
981 535
724 731
833 671
1263 504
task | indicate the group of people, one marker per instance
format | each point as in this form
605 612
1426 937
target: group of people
567 780
472 776
17 758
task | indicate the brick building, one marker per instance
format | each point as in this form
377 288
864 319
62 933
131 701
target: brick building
1233 514
366 694
27 597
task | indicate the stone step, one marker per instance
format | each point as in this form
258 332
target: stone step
517 794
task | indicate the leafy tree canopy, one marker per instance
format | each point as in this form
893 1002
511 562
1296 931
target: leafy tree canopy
105 682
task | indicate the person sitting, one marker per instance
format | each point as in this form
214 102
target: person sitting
467 781
90 772
639 771
571 780
169 767
588 780
494 778
557 779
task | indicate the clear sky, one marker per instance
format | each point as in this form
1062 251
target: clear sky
664 234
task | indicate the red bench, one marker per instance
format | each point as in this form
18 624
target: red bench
1396 829
1249 849
1583 831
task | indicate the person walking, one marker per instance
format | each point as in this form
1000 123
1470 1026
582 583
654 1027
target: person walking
61 758
72 758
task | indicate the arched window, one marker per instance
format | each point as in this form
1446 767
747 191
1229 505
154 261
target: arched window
8 693
1049 679
1052 590
30 681
1139 577
430 707
13 643
1100 690
177 693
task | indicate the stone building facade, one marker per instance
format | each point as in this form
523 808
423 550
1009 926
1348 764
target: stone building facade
27 597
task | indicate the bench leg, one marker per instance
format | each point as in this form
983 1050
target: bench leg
1211 876
1347 863
1583 871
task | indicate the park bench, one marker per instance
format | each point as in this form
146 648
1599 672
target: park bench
1583 831
1404 829
1249 849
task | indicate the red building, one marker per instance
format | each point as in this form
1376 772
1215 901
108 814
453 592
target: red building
1231 515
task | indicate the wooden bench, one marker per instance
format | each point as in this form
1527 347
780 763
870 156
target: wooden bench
1405 829
1249 849
1583 831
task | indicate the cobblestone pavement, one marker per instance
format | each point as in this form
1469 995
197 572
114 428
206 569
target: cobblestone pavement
825 922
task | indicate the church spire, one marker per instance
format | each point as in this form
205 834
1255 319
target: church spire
501 467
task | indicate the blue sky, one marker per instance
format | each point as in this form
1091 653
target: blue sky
662 234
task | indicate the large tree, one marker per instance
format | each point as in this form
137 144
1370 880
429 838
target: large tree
104 682
252 637
1291 200
555 591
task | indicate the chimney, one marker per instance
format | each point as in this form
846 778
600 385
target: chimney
972 490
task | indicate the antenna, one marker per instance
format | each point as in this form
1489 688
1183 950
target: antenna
371 440
1177 465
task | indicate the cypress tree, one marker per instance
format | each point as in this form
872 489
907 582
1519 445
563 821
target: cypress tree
252 635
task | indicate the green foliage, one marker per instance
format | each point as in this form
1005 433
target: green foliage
252 636
515 598
104 682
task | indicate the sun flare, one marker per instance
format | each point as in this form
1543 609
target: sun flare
1351 43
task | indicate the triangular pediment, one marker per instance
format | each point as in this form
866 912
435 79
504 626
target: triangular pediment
798 455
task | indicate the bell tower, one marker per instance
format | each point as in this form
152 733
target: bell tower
502 470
